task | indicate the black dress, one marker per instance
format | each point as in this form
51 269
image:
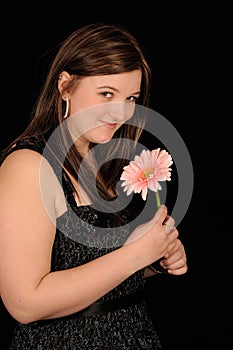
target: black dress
77 241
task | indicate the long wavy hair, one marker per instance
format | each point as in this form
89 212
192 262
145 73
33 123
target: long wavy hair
95 49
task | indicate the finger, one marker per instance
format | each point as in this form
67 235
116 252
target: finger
174 262
160 214
169 222
176 247
176 252
169 227
180 271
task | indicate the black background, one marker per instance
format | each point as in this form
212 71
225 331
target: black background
187 48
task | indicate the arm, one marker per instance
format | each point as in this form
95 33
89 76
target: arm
28 289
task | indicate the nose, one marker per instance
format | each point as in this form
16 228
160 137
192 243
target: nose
120 112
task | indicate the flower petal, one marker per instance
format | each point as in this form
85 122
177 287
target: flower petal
145 172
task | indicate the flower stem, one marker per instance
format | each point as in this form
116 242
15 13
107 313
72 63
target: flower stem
157 199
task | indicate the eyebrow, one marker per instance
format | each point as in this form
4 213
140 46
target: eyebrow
116 90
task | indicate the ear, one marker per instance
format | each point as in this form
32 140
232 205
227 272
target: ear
64 77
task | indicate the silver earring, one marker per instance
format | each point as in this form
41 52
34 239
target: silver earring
67 108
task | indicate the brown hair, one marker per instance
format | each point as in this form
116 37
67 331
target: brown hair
95 49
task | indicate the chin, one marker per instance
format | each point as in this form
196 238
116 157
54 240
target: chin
104 141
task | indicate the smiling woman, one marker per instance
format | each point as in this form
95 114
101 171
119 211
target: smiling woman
69 274
116 93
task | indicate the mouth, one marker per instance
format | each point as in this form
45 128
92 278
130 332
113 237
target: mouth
109 125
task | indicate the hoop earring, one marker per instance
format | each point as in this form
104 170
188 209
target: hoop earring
67 107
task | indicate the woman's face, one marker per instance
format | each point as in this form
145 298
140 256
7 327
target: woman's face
101 104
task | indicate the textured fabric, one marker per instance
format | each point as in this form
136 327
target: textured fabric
79 240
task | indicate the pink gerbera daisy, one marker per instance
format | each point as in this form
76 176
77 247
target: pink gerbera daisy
145 172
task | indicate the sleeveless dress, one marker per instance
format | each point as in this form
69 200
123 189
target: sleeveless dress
77 241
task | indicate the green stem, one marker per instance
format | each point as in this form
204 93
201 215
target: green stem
157 199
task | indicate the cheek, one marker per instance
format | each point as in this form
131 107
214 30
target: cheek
81 102
129 110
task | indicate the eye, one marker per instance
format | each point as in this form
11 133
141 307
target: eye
132 98
107 94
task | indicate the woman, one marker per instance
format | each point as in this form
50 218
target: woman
71 274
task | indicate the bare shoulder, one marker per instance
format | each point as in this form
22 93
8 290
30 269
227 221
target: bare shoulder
20 160
25 164
25 172
20 176
20 170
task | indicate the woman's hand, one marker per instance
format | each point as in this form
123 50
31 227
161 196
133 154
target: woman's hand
151 240
175 260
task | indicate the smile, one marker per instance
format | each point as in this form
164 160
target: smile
109 125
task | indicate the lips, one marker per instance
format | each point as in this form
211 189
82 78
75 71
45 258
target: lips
109 125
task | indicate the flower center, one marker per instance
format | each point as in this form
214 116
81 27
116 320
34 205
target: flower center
147 173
